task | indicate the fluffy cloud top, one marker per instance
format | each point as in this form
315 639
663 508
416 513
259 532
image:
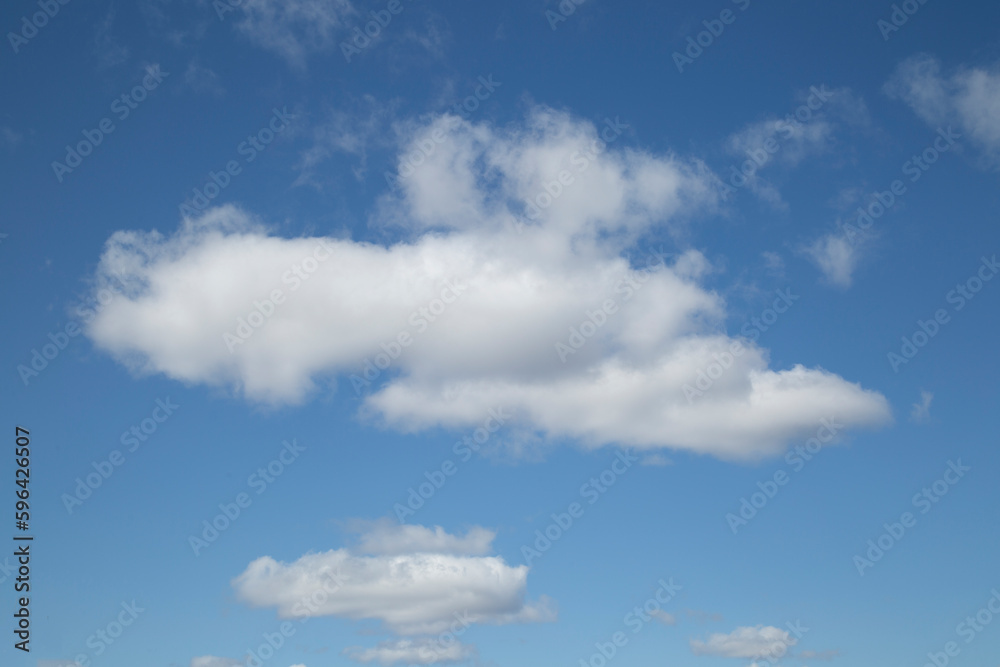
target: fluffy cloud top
968 97
747 642
426 591
512 290
388 539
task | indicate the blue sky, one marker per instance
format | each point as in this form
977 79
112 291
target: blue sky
530 333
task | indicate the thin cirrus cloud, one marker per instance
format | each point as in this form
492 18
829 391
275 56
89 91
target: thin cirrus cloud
293 29
968 97
809 130
522 276
418 593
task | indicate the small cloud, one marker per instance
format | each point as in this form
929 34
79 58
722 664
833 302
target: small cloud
836 258
773 263
745 642
664 617
656 460
968 97
9 137
202 79
847 198
921 411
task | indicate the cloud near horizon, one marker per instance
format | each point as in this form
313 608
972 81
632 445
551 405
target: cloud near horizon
424 584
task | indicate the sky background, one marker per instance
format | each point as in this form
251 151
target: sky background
349 119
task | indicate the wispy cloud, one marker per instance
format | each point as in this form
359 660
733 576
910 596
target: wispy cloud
968 97
293 29
921 411
836 257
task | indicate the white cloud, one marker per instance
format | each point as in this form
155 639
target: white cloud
968 97
423 651
746 642
525 281
921 411
418 593
294 28
836 257
213 661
